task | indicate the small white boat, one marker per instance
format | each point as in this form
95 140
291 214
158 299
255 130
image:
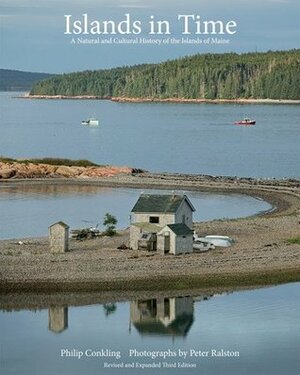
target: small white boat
214 240
200 246
222 241
90 122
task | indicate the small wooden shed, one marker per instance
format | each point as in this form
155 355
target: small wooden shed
175 239
59 237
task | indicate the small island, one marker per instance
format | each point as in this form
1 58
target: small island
266 249
230 77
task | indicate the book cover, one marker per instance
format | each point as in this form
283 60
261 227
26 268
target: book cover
149 187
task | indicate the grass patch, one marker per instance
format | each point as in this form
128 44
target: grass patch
52 161
160 283
293 241
4 159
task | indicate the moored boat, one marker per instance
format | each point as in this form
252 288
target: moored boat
245 121
90 121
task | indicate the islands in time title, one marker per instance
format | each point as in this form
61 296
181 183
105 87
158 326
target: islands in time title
189 24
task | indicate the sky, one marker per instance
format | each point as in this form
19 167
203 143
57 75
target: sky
32 31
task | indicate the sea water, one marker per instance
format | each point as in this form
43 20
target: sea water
241 333
186 138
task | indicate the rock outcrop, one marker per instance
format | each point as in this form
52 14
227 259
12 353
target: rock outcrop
30 170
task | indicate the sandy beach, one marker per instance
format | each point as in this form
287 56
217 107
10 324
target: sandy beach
265 251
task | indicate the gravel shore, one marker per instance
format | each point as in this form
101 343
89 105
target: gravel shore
160 100
261 255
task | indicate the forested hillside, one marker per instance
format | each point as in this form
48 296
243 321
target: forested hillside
16 80
274 75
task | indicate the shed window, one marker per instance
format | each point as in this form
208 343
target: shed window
154 219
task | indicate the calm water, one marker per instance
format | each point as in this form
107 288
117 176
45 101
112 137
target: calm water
142 135
262 325
28 211
158 137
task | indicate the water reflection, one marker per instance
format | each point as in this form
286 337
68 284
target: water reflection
109 308
163 316
50 191
58 319
262 325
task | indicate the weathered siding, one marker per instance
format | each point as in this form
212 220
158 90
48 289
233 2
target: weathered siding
184 244
164 219
161 241
161 244
135 233
184 210
59 238
173 243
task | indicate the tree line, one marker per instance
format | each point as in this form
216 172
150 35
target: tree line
273 74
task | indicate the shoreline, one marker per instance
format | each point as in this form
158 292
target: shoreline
41 295
160 100
260 256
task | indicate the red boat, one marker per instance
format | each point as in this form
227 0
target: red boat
245 121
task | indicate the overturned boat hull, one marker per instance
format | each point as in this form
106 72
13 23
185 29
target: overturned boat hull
222 241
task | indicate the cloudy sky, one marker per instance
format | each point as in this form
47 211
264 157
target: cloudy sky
32 31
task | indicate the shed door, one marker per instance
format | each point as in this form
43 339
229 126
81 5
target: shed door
167 243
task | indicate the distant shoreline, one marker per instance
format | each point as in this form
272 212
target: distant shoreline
160 100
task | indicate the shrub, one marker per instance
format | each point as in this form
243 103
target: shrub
110 222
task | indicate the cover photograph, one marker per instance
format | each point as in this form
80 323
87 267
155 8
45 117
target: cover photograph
149 187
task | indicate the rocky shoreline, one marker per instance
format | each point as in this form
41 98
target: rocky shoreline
161 100
263 252
16 170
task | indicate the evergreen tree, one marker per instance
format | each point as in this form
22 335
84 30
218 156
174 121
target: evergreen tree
272 75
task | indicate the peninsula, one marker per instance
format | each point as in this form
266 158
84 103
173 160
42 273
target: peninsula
266 249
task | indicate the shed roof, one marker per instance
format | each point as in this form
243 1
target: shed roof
61 223
180 229
160 203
